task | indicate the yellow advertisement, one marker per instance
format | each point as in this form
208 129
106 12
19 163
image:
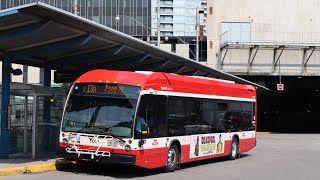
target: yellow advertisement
204 145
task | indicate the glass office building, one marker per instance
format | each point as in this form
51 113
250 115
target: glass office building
178 22
177 17
134 15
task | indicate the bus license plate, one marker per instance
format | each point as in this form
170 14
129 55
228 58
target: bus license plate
114 143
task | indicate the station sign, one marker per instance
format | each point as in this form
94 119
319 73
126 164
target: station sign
280 87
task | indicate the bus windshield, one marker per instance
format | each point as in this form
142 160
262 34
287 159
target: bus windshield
101 112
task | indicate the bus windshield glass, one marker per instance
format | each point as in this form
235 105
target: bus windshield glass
106 109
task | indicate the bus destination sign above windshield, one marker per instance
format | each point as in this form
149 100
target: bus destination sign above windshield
113 89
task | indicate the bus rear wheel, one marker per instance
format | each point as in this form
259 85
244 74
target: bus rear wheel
234 150
172 159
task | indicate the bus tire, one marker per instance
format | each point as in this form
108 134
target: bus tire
234 150
172 158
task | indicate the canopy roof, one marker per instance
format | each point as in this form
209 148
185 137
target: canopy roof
21 89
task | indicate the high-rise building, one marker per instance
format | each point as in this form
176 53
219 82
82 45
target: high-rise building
178 26
132 17
177 17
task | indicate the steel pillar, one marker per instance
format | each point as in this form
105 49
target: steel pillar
276 57
25 131
5 101
47 109
251 59
306 59
34 126
25 74
223 57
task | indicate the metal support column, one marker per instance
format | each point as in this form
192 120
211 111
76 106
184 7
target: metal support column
25 131
34 126
251 58
5 101
276 58
46 104
224 56
25 74
306 59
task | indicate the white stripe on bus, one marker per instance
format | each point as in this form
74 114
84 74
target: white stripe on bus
180 94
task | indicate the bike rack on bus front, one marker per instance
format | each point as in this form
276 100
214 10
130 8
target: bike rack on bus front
95 139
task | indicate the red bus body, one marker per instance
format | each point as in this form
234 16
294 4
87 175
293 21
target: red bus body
153 154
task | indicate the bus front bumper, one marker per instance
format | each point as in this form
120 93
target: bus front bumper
122 159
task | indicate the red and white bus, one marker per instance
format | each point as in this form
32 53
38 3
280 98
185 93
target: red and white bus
154 119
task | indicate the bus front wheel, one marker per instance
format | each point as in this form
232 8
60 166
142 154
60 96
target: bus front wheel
172 159
234 151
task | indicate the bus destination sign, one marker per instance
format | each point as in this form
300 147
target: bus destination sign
113 89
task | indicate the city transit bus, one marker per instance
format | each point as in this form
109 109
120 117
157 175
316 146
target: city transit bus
154 119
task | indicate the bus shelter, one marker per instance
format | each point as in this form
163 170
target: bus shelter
34 117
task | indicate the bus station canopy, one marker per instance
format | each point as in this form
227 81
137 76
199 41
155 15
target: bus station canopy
44 36
22 89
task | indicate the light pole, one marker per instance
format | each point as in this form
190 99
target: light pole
197 34
158 24
117 19
75 7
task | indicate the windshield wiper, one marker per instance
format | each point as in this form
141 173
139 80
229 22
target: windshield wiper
119 138
86 126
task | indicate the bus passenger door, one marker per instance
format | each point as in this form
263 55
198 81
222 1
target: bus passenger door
152 108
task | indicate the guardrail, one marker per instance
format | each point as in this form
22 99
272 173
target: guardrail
290 70
269 37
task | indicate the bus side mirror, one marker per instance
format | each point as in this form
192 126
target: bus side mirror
145 130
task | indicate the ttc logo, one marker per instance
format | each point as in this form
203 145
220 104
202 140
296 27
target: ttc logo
155 142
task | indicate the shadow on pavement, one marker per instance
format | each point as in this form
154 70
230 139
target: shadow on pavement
24 159
120 171
210 161
115 171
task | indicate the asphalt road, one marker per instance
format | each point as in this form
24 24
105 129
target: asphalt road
277 156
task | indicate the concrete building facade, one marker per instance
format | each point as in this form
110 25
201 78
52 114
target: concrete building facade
254 37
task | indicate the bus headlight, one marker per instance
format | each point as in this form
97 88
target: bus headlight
127 147
64 141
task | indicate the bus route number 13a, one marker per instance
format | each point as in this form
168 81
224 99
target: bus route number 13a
91 88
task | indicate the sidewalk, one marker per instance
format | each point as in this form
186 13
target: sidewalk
26 166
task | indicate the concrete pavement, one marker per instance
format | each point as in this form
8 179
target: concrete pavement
26 166
276 157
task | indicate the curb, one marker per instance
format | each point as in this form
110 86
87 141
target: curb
263 132
34 168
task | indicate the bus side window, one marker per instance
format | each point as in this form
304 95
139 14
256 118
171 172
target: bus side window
184 117
247 110
211 116
176 116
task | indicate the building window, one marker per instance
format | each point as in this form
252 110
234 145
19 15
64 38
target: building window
235 32
173 48
166 10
